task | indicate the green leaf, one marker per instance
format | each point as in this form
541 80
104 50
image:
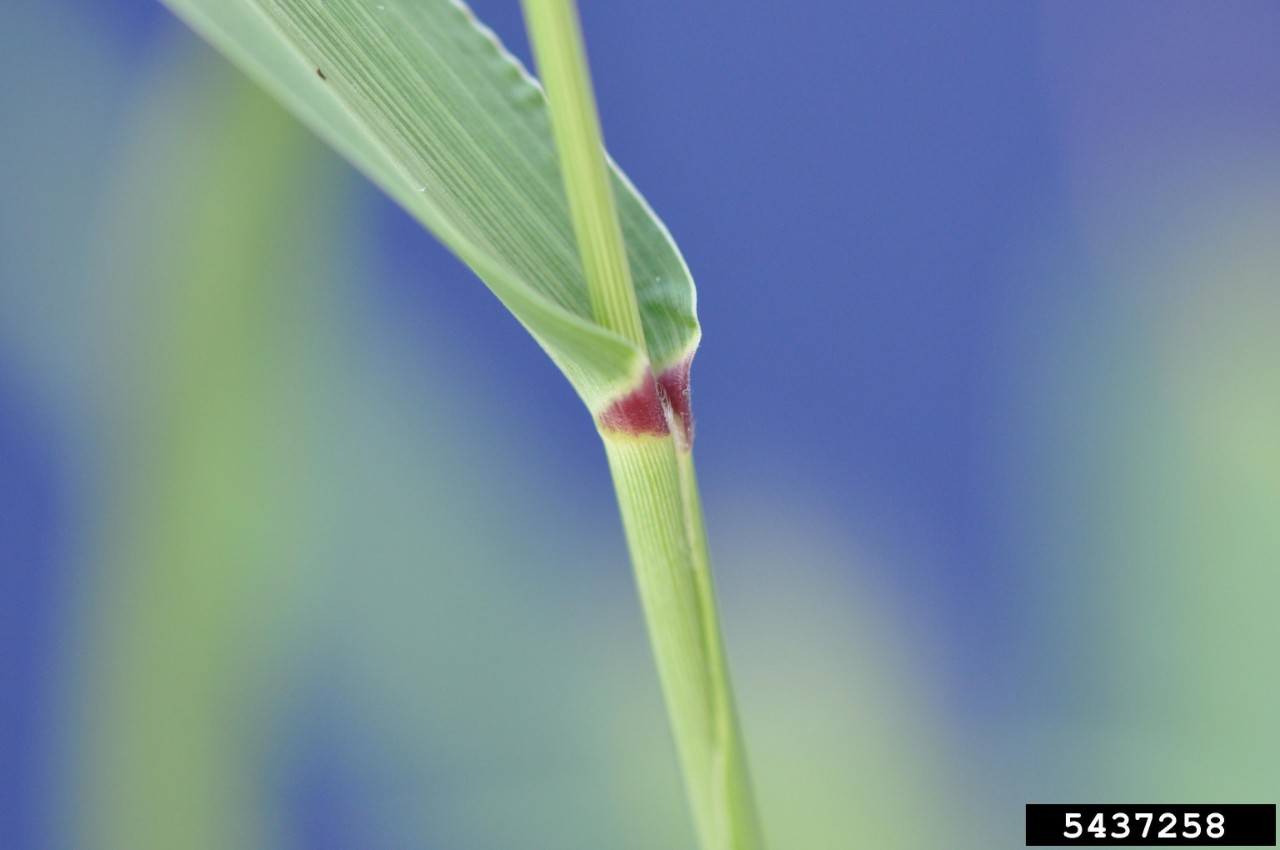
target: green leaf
427 103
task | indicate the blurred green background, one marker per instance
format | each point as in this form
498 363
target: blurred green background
304 545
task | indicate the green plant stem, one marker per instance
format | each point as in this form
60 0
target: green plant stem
734 804
662 516
653 474
557 44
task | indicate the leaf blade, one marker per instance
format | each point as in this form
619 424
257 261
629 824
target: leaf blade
426 102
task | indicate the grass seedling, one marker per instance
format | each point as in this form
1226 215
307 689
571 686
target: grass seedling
648 437
515 181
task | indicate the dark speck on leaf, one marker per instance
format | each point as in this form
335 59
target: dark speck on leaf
321 74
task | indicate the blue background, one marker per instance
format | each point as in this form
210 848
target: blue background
946 258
